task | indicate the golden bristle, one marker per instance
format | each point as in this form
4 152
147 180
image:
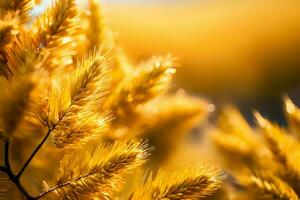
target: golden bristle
149 80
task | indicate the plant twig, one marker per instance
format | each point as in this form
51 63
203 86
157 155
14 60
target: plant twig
55 188
50 129
33 153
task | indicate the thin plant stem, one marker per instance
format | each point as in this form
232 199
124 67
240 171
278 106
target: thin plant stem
34 153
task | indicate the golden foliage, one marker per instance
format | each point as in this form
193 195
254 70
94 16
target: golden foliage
74 84
54 30
99 174
16 8
72 99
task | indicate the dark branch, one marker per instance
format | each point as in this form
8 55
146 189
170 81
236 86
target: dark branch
7 169
63 185
45 138
3 169
33 153
6 155
51 190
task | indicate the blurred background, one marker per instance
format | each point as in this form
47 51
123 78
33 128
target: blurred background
241 52
245 52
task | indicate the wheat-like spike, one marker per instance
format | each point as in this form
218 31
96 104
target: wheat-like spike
74 101
17 8
97 173
149 80
186 184
55 30
235 137
285 149
14 102
268 186
51 32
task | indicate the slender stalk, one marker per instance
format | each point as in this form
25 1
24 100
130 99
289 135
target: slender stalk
52 189
60 186
50 129
33 153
